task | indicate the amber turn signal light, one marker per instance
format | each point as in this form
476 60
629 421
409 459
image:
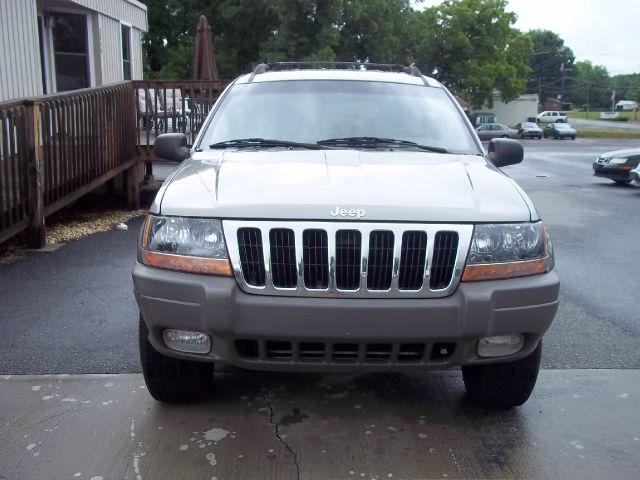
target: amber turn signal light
499 271
208 266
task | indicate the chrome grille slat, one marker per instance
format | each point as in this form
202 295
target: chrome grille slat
315 259
283 258
381 250
445 249
412 262
348 255
252 257
347 259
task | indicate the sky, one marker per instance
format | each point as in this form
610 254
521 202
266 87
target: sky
602 31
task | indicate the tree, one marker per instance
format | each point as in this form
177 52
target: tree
551 64
376 30
306 30
627 86
168 45
592 86
239 28
471 46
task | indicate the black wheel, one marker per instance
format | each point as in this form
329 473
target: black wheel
539 137
573 138
504 385
623 182
171 380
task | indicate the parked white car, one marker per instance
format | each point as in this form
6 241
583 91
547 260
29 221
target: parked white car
552 117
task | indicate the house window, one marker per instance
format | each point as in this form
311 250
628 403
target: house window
126 51
70 51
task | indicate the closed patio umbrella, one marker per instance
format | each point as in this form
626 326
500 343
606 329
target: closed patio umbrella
204 63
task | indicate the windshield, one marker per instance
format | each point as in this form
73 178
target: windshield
562 126
311 111
529 125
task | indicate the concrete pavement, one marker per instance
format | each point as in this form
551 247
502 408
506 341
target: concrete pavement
579 424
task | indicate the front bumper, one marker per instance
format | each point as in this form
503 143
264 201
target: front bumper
215 305
612 172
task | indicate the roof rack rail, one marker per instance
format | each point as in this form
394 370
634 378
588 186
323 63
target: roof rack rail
391 67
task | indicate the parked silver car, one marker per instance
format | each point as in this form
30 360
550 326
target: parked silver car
496 130
342 220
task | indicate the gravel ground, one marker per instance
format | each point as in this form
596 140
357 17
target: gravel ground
92 214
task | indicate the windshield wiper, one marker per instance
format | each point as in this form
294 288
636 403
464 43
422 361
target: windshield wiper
264 142
378 141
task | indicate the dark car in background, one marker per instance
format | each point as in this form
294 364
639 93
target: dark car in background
617 165
495 130
529 130
559 130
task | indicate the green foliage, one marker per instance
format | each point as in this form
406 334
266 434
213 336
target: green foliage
471 46
592 86
627 86
551 65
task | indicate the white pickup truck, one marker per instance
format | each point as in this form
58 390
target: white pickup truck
343 218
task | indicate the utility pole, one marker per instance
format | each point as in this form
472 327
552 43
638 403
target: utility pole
588 99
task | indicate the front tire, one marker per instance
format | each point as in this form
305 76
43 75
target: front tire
172 380
504 385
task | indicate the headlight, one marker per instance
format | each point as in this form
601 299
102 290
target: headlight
193 245
617 161
507 251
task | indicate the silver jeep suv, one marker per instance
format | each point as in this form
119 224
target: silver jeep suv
337 219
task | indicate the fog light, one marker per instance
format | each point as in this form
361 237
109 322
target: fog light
500 346
185 341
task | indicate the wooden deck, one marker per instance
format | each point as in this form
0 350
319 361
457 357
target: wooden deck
56 148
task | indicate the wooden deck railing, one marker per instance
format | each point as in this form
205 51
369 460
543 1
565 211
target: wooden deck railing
172 106
56 148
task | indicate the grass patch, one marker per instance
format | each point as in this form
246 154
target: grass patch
595 115
608 133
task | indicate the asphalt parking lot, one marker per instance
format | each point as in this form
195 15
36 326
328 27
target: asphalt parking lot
72 313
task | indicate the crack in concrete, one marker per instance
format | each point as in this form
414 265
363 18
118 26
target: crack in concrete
276 427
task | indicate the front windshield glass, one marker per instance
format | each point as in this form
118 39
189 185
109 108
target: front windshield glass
529 125
308 111
562 126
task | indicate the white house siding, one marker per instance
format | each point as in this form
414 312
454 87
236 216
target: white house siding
515 111
136 45
20 70
111 51
129 11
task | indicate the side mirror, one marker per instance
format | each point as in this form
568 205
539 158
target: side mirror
172 147
505 151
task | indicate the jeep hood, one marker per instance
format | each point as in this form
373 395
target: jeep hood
309 184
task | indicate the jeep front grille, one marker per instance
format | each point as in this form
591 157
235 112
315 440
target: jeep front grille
347 259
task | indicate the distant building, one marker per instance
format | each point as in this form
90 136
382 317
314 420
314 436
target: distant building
626 105
513 112
553 105
51 46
